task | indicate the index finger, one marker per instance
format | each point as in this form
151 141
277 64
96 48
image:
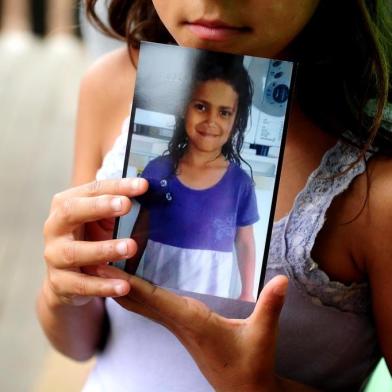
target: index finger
123 186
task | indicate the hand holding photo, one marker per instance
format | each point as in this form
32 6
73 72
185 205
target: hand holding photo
206 131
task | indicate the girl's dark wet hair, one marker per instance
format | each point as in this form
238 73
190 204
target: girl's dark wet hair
345 56
229 69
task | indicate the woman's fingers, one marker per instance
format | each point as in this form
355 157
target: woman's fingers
73 212
74 215
91 202
65 254
263 322
74 287
124 186
189 312
269 305
131 304
158 303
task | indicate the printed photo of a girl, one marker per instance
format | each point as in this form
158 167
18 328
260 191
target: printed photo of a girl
197 217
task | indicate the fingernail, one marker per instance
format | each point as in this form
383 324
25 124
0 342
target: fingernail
119 288
116 204
122 248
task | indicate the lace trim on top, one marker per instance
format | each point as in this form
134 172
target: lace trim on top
300 227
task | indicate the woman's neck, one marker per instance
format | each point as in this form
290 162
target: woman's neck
305 135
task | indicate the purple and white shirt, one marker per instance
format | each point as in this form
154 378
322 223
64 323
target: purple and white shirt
191 231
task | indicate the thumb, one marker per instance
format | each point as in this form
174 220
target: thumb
269 305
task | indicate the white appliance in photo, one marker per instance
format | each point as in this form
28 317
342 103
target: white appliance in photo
269 105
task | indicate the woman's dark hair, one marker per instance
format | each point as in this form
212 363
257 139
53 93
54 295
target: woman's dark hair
229 69
345 56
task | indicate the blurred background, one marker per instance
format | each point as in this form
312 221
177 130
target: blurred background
45 47
43 54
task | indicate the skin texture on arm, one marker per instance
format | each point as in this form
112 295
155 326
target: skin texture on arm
72 320
74 331
377 250
61 321
246 253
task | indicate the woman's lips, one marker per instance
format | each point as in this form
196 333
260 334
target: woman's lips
215 30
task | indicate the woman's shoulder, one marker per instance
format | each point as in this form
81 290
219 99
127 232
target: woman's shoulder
110 79
111 63
374 223
379 205
376 243
105 94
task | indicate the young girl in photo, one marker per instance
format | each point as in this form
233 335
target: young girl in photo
201 203
330 255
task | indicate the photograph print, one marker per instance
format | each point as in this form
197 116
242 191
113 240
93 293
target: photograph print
207 133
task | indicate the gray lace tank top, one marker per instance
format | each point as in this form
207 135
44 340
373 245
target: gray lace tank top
327 337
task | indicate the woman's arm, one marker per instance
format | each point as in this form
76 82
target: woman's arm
376 243
246 254
70 317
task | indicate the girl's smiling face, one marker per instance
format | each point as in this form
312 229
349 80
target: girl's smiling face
254 27
210 116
